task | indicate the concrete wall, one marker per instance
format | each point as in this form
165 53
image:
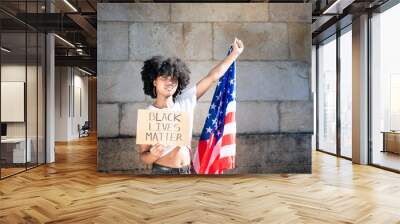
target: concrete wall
275 107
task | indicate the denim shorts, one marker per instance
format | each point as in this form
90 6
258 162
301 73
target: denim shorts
160 169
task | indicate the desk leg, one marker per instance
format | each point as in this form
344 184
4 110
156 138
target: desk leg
384 143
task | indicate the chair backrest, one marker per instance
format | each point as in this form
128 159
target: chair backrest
86 125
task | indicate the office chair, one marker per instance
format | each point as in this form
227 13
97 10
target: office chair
84 130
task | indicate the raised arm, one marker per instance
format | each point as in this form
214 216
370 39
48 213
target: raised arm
219 70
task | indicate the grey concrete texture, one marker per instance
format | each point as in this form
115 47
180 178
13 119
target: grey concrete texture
120 154
219 12
199 69
276 80
200 12
138 12
189 41
273 153
294 116
119 81
129 118
300 41
266 113
272 117
263 41
197 41
284 12
112 41
255 154
148 39
107 120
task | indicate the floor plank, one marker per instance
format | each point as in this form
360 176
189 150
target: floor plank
71 191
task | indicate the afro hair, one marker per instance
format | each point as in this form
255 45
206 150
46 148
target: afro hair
160 66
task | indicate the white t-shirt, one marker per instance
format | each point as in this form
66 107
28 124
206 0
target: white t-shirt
184 102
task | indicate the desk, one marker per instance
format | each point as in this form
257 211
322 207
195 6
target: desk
16 147
391 141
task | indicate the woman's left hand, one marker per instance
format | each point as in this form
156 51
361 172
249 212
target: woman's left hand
237 46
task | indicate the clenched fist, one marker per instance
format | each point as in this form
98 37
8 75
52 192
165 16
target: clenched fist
237 47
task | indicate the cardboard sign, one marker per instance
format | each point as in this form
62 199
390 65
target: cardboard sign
165 126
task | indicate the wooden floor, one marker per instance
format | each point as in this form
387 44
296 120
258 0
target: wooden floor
387 159
5 172
71 191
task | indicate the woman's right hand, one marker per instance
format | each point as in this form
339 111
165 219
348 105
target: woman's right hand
157 150
237 47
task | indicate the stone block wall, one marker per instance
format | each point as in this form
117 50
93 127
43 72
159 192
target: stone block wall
274 103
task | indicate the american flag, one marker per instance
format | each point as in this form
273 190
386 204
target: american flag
217 145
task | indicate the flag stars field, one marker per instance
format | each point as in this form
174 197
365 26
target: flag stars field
217 147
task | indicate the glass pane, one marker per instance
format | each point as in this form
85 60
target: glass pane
31 85
31 100
13 86
327 96
346 93
386 89
313 90
41 98
23 89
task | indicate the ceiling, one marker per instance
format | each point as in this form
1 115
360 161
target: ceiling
73 20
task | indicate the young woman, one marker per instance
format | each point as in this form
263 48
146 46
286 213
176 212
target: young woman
165 80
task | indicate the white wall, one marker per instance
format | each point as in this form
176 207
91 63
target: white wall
33 127
9 73
61 103
79 117
15 72
68 83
